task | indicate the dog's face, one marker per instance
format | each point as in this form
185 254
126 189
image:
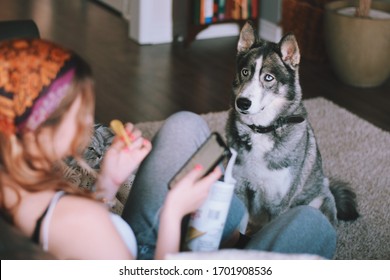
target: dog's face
266 80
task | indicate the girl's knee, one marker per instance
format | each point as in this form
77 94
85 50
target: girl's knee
185 118
302 229
315 223
310 216
187 125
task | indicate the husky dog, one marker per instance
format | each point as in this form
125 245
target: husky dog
278 165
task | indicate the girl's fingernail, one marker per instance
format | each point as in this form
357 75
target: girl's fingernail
198 167
131 136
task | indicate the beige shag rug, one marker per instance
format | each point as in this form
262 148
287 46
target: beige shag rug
354 151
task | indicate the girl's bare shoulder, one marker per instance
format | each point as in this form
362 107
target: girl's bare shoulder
82 228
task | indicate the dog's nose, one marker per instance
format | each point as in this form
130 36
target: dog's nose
243 103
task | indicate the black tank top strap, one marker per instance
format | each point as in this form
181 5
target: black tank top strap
37 230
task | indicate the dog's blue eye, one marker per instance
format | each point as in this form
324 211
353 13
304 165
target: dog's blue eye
268 78
245 72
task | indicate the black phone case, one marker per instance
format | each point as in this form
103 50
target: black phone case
207 169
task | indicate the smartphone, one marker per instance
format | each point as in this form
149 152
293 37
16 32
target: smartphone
209 155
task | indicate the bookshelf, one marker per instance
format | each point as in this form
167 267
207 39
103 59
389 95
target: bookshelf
203 13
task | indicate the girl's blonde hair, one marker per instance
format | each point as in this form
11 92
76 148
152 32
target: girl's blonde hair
34 173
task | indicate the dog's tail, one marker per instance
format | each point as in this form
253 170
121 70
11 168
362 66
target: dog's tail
345 199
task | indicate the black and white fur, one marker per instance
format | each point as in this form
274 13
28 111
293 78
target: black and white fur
278 165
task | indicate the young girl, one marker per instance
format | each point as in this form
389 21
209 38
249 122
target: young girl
46 115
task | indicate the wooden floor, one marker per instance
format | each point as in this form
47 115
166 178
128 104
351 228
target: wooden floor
143 83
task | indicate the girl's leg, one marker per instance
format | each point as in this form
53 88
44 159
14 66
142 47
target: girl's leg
180 136
301 230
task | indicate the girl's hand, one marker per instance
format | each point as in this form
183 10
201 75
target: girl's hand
121 160
185 197
190 192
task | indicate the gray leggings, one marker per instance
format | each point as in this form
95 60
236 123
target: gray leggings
300 230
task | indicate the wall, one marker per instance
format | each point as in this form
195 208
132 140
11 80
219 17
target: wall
271 10
151 21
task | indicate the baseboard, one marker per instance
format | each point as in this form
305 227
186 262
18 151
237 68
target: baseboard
218 31
115 5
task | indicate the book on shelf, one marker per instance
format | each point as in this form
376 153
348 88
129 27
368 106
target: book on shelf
208 11
211 11
221 4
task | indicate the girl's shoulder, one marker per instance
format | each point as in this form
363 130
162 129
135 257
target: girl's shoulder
81 228
71 204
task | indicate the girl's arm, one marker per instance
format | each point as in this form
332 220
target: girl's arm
185 197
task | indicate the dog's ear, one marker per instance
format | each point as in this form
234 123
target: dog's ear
290 50
248 37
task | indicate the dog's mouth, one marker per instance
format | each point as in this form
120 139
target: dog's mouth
248 111
243 112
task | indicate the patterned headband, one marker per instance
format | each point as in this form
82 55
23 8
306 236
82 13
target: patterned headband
35 76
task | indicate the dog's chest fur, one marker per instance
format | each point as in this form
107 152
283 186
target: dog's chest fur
255 165
262 182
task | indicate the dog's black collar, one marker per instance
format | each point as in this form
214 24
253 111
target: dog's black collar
279 123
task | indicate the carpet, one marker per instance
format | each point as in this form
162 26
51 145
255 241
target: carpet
354 151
